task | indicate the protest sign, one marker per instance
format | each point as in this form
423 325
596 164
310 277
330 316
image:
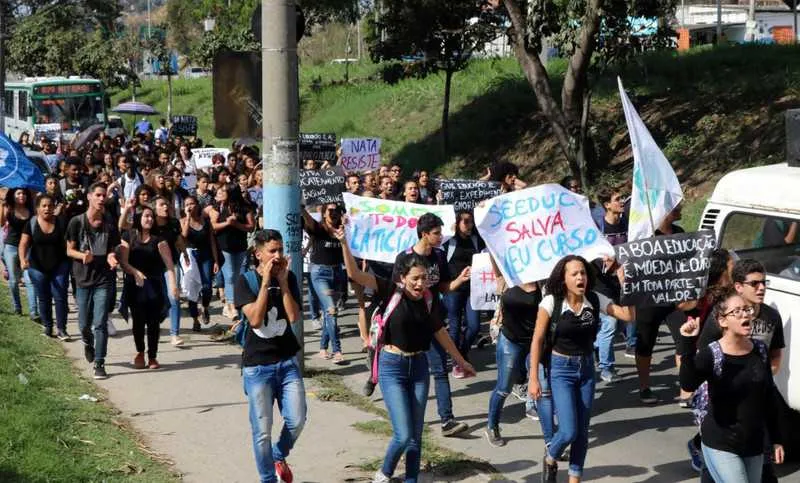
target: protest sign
464 194
380 229
50 131
322 186
202 156
483 283
665 270
183 125
530 230
361 154
318 146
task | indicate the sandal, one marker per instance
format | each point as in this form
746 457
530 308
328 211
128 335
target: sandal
323 354
338 359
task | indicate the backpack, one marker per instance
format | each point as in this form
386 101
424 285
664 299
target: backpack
700 398
123 180
240 335
555 318
378 323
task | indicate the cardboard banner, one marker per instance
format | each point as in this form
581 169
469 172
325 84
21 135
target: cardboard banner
665 270
380 229
322 186
483 283
464 194
318 146
530 230
202 156
50 131
361 154
183 125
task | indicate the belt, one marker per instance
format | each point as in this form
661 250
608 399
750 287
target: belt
396 350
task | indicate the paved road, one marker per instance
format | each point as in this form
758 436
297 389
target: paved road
193 410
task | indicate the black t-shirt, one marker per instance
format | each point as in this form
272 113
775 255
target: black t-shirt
144 256
410 326
169 232
199 239
100 241
462 250
48 250
259 351
741 402
575 333
232 239
767 327
520 309
616 234
437 268
15 228
325 249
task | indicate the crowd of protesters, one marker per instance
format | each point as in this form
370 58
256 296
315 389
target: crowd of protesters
140 207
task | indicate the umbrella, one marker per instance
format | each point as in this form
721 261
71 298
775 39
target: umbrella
135 108
87 135
246 142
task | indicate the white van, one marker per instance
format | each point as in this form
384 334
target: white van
755 212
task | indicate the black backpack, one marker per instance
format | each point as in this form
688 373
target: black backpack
555 318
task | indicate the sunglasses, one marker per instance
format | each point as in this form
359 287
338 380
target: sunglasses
756 283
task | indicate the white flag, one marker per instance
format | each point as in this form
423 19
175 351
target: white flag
656 190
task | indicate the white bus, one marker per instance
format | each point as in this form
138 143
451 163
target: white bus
52 106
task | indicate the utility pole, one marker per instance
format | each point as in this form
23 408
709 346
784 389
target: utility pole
719 22
2 66
280 123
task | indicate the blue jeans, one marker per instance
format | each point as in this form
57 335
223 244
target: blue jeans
630 335
264 385
93 318
404 384
174 303
605 342
437 360
732 468
15 274
511 358
457 304
572 384
231 269
205 264
313 301
544 406
326 280
51 289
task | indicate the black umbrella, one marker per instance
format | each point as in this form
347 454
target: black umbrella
87 135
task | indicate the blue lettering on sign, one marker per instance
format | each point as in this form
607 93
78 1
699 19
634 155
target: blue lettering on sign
506 209
380 240
518 257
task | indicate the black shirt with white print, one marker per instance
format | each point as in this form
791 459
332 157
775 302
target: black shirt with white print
325 248
575 333
274 341
438 270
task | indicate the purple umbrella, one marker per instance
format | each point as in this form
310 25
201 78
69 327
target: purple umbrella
135 108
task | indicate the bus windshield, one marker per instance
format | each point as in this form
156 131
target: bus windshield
73 113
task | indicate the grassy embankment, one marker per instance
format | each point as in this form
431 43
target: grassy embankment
47 434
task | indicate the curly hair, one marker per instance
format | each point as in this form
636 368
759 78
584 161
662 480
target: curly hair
556 285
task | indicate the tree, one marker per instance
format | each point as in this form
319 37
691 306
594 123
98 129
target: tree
442 35
590 44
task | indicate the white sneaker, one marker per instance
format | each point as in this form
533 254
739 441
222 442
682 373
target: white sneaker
177 341
112 331
316 324
381 478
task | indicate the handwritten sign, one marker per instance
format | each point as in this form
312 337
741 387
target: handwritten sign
183 125
464 194
665 270
361 154
318 146
50 131
380 229
483 283
529 231
322 186
202 156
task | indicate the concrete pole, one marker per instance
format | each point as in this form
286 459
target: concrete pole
280 100
719 22
2 66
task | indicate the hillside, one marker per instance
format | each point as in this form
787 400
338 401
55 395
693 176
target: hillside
711 110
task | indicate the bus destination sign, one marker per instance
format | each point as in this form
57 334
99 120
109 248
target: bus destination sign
65 89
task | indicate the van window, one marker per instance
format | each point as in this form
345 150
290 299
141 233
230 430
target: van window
8 103
773 241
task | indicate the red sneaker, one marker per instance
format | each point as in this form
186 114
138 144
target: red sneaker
138 361
283 472
458 372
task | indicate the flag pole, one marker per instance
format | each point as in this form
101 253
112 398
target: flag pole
647 201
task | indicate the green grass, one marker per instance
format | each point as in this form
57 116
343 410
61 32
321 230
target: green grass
46 433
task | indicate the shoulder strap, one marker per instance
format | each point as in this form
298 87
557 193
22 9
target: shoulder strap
451 248
252 281
33 223
474 239
410 250
718 356
393 302
428 299
593 299
762 350
555 317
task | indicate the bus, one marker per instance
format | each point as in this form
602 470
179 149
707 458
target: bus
55 107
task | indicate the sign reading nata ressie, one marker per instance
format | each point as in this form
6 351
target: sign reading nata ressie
530 230
379 229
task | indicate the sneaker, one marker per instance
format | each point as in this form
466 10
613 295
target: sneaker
223 336
565 455
36 319
685 403
646 396
494 438
458 372
549 471
608 376
48 333
88 352
630 352
369 388
196 326
283 472
100 371
138 361
694 455
225 311
153 364
206 316
338 359
112 331
176 341
531 411
520 391
316 324
380 478
62 336
453 427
